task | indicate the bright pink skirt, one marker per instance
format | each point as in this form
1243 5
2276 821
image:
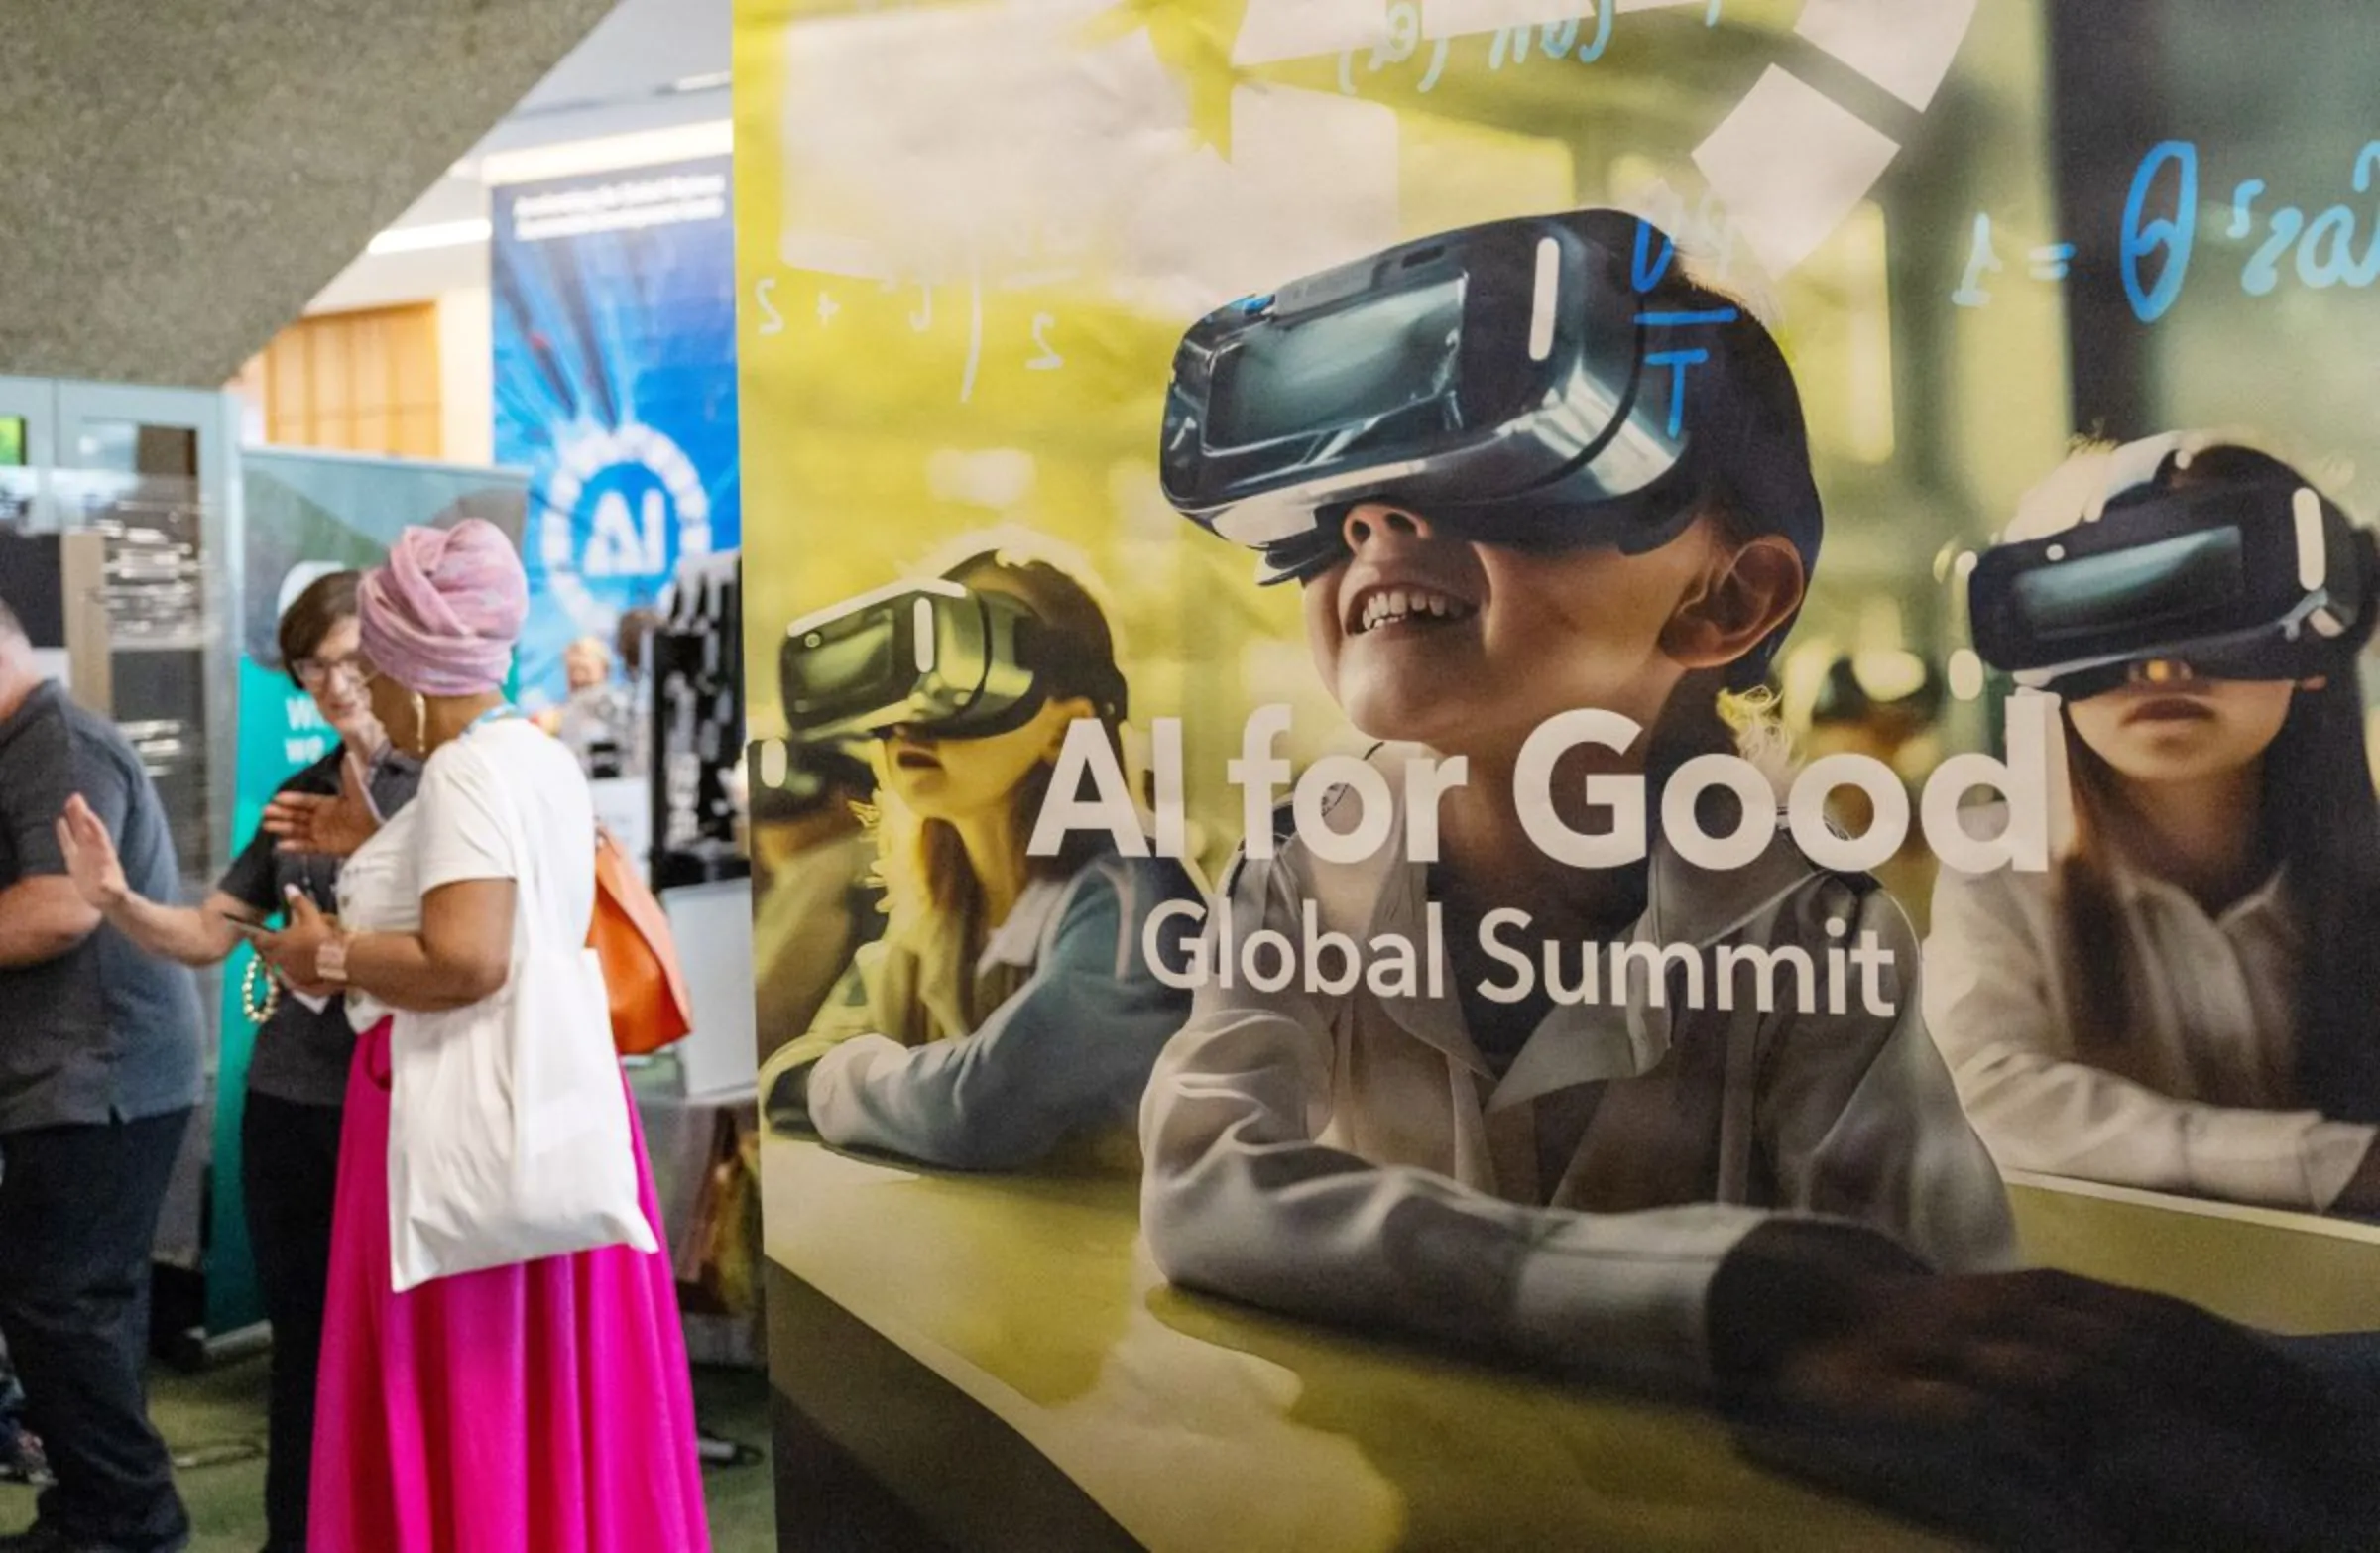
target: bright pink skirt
543 1407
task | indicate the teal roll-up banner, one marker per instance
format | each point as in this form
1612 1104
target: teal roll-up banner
306 514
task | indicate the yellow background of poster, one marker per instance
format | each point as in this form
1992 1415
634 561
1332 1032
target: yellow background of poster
970 237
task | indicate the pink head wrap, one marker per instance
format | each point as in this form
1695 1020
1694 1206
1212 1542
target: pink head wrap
441 616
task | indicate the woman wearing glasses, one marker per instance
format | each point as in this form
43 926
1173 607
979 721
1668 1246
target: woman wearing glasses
297 1077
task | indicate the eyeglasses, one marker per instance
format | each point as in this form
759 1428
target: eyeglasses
314 674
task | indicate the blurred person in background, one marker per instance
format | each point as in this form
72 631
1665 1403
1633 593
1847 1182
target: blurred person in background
634 641
297 1077
100 1071
593 721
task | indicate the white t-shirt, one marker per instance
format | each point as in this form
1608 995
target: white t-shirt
505 801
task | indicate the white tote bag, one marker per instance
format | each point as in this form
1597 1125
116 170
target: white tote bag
508 1127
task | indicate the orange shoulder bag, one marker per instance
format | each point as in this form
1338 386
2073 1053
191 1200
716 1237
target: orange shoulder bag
630 937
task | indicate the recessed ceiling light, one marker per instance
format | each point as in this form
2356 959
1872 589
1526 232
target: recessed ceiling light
430 234
605 153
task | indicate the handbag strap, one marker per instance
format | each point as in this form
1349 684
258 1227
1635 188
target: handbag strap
529 886
616 879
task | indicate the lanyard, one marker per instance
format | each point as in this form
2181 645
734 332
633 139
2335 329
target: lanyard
494 714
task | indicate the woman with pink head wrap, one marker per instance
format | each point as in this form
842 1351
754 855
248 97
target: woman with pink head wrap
546 1405
440 617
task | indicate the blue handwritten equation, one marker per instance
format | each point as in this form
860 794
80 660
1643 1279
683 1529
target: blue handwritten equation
2046 262
1553 42
1645 272
2161 234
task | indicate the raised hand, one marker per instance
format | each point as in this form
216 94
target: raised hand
325 825
91 859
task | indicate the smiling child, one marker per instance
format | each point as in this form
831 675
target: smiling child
1555 1180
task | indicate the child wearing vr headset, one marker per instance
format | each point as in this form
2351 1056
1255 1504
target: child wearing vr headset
2190 1000
1503 508
1007 1011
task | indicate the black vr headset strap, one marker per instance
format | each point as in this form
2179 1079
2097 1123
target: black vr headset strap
2364 545
1062 666
1056 664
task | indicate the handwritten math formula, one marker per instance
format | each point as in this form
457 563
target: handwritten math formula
1646 270
2164 228
1578 40
1006 262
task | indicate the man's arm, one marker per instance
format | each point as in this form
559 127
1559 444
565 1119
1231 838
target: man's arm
41 915
42 919
193 936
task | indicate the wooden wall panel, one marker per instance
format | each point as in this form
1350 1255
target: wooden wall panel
356 382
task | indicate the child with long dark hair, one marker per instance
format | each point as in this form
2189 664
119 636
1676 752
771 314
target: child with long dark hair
2189 999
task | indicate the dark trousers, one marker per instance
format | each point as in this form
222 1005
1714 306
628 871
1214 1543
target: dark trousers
288 1174
79 1209
12 1410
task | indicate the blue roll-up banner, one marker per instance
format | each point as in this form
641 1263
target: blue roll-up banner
615 384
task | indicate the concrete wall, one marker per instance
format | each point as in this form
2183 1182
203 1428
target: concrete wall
182 178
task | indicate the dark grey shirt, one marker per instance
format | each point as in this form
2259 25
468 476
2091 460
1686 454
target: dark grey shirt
103 1032
302 1054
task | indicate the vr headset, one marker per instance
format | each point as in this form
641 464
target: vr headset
947 660
1496 377
2248 580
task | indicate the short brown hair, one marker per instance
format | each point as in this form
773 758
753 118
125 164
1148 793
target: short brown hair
636 625
313 616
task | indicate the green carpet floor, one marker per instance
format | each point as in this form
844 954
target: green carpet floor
215 1423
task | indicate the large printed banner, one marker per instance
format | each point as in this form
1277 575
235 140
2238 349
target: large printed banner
1499 743
616 387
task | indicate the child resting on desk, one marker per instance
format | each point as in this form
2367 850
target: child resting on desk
1562 1181
1468 452
2185 1003
1005 1019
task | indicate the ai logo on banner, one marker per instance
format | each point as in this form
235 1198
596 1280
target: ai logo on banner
625 506
629 533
